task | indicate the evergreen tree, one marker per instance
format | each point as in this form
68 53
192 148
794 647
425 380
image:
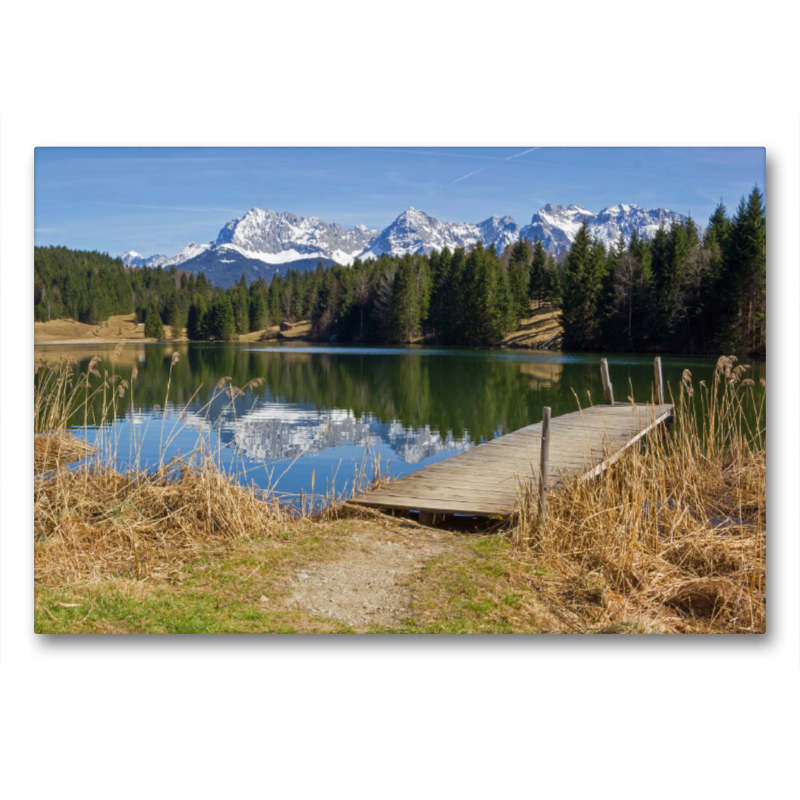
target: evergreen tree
487 305
537 288
405 308
258 311
196 324
746 275
579 317
221 324
153 326
175 316
552 290
241 307
519 278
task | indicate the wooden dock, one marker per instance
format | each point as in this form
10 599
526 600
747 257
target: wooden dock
483 481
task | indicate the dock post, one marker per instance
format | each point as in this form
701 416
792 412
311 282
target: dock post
659 382
544 458
608 389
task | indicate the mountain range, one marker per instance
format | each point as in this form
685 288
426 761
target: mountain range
266 243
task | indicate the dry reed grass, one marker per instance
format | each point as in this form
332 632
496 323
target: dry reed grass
94 521
98 522
52 451
675 532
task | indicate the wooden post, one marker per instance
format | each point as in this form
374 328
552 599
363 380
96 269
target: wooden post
608 390
427 518
544 459
659 382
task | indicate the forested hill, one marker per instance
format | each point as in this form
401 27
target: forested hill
675 292
86 286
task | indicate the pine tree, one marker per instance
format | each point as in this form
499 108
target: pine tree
579 291
196 324
258 311
175 317
405 309
746 275
519 278
537 287
552 283
153 326
221 322
241 307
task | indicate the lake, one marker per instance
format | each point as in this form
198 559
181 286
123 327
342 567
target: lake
321 410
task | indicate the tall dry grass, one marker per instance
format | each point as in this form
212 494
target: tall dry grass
673 536
93 519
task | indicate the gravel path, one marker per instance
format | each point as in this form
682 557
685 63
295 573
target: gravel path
369 585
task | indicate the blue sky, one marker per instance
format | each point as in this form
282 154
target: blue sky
156 200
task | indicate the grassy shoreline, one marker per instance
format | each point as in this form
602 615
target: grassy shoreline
671 539
540 329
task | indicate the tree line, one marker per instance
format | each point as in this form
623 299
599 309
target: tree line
673 293
453 297
676 292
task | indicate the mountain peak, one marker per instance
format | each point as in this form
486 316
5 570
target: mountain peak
271 238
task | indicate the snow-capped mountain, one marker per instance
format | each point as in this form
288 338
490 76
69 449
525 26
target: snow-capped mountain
265 243
415 231
557 226
610 222
192 250
277 238
130 258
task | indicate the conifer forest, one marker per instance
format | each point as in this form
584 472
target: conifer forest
678 292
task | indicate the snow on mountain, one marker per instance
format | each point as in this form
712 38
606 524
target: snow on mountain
190 251
130 258
557 226
500 232
278 238
415 231
265 243
610 222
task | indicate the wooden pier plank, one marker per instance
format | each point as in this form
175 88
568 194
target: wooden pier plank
484 480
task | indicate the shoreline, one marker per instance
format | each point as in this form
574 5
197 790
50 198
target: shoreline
303 340
187 547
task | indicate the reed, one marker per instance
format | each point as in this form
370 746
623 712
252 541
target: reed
98 522
95 519
674 533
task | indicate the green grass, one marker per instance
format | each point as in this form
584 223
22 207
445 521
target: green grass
112 609
483 585
476 594
472 592
210 595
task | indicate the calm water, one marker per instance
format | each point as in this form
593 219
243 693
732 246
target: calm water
320 409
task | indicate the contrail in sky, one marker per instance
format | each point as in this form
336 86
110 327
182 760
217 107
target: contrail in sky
517 155
469 174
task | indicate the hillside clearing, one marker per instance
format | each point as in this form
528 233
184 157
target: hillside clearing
536 331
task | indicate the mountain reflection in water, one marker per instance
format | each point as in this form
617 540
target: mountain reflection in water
275 431
328 406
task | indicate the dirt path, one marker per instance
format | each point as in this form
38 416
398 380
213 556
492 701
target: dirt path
370 583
